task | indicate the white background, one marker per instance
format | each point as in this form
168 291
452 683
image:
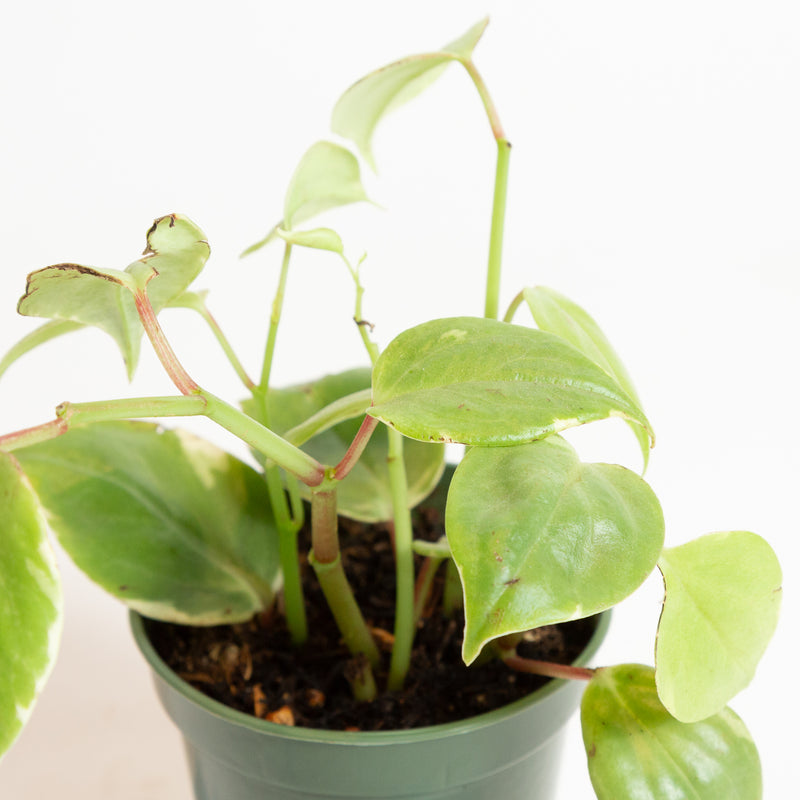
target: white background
655 180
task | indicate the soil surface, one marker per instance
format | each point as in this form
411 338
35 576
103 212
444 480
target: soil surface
252 666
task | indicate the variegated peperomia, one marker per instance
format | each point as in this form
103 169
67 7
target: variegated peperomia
535 535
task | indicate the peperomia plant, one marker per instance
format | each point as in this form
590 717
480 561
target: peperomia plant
182 531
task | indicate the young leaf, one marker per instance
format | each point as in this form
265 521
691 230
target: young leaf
164 521
484 382
539 537
176 252
30 601
360 109
365 494
328 176
636 749
318 239
556 314
721 606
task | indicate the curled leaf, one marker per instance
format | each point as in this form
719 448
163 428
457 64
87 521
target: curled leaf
360 109
175 254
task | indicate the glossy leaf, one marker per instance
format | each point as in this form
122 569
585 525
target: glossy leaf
556 314
360 109
484 382
328 176
540 538
30 601
176 252
365 493
176 528
638 751
721 606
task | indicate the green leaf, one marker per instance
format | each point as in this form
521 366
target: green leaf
44 333
721 606
318 239
484 382
365 493
176 528
360 109
556 314
30 601
540 538
636 750
328 176
176 252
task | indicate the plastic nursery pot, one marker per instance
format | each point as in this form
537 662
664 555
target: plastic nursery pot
512 752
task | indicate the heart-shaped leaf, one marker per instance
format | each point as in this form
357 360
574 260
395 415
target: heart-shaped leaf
328 176
556 314
637 749
176 528
365 493
176 252
360 109
30 601
721 606
540 538
484 382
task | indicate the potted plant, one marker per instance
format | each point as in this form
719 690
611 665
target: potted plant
532 537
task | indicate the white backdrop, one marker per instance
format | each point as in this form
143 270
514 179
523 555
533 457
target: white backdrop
654 180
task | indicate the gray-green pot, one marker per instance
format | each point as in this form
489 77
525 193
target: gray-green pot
511 753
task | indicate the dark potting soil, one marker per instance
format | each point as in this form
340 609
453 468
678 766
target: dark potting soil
253 667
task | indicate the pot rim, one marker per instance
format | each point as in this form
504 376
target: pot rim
361 738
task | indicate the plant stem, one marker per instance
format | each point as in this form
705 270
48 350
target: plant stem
291 458
347 407
288 528
226 348
326 559
404 626
163 349
356 448
275 318
548 669
422 589
70 414
494 269
453 599
513 306
500 192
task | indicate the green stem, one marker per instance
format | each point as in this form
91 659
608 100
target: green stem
404 626
69 415
275 318
230 353
288 528
348 407
326 560
515 304
494 269
500 192
422 589
253 433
